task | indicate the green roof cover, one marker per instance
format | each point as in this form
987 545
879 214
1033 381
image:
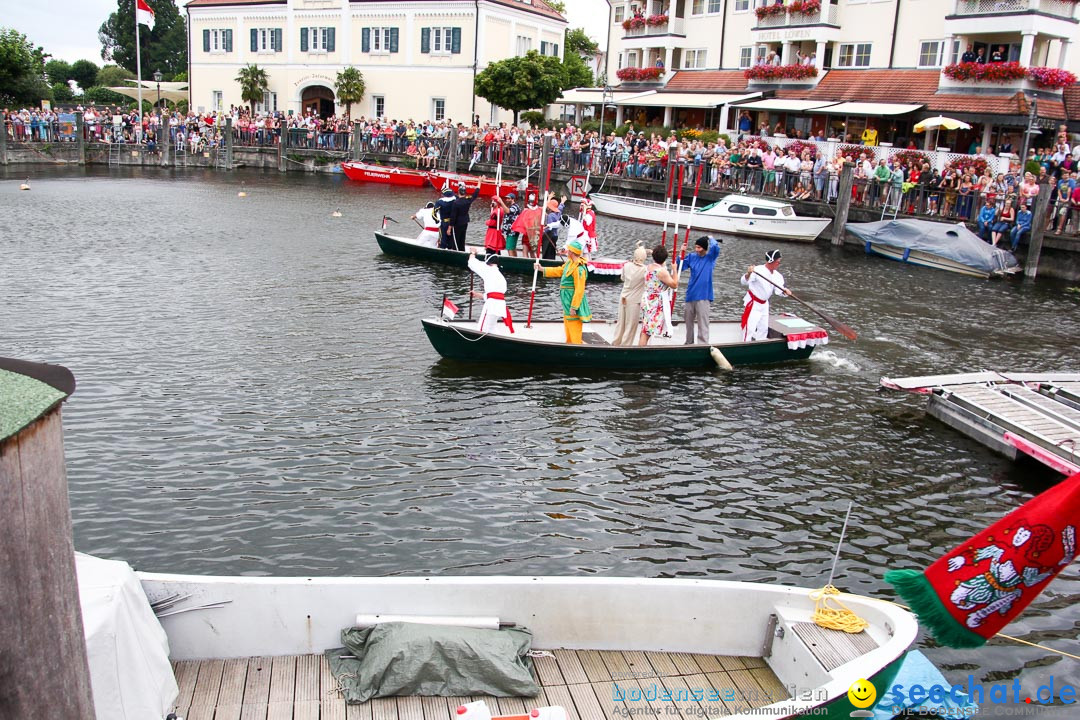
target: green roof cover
22 401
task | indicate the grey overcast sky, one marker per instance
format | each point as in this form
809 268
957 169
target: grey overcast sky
68 28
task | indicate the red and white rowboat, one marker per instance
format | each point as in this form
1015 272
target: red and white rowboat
383 174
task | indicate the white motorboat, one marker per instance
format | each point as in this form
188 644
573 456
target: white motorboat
745 215
749 650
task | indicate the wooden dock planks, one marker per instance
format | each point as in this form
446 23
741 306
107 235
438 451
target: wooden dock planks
589 684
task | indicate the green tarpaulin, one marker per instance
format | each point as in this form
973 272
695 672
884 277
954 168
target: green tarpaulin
415 659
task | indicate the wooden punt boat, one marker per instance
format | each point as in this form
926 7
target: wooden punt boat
387 175
439 178
790 338
599 269
744 215
620 646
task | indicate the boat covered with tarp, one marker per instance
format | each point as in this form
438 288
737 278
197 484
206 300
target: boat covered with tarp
943 246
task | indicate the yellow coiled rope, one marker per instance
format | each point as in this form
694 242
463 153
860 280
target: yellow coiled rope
830 613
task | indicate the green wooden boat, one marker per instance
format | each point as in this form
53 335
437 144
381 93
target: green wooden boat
790 338
599 269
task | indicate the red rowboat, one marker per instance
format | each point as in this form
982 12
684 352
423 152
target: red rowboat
384 174
438 178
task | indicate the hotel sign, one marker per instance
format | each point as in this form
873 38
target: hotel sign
314 78
797 34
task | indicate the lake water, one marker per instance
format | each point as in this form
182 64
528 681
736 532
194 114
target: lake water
256 396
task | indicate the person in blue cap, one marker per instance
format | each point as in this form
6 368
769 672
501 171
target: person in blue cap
572 276
699 291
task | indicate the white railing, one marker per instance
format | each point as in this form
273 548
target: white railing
1059 8
827 14
938 160
674 26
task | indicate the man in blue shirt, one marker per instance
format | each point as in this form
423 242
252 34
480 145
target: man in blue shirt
1023 225
699 290
987 217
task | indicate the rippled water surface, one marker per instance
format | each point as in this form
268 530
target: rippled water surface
256 396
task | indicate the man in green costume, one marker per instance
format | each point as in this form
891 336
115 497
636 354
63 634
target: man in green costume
572 290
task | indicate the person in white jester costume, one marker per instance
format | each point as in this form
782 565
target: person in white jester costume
588 221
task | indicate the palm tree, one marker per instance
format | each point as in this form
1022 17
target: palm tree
253 83
350 88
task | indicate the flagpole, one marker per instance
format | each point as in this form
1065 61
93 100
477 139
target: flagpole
138 62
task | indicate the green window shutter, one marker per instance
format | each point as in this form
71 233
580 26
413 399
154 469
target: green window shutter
330 40
393 40
303 39
543 47
425 40
277 39
206 41
228 41
254 40
455 43
365 39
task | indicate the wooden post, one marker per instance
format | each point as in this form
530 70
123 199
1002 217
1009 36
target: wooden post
452 152
843 202
228 143
163 140
3 143
545 168
356 140
80 137
282 140
1038 229
43 662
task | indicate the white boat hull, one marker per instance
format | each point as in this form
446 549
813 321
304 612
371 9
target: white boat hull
796 229
924 259
288 616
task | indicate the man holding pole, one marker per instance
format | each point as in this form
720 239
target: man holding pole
494 293
699 290
761 282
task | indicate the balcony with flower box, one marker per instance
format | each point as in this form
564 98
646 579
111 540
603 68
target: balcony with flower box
798 13
654 31
645 76
1057 18
782 75
1004 78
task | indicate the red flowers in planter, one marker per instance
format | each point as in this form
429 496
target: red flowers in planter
913 158
767 10
986 72
635 22
1051 78
633 73
656 20
1044 77
804 7
780 72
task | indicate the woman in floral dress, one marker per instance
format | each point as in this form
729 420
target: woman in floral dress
655 310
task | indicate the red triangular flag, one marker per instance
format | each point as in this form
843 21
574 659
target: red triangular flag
969 594
449 309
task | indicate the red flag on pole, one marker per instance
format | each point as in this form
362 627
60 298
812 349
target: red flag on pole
144 14
449 309
968 595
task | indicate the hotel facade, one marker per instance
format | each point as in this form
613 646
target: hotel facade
840 66
419 58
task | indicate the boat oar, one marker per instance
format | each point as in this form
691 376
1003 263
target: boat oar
667 205
838 326
686 239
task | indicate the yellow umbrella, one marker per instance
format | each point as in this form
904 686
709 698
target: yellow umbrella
941 122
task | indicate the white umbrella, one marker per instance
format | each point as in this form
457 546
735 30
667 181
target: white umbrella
941 122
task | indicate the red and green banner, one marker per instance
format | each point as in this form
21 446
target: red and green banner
979 587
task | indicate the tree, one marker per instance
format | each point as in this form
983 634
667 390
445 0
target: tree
350 88
22 70
113 76
579 43
61 93
557 5
575 70
164 48
522 83
58 71
253 83
84 72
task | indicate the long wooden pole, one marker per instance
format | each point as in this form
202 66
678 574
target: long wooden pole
686 239
667 202
536 264
678 209
838 326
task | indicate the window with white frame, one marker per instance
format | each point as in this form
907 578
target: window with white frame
524 45
620 14
217 101
547 48
266 40
380 40
378 106
440 40
438 109
746 56
854 55
930 53
742 5
268 104
219 40
694 59
318 39
700 7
